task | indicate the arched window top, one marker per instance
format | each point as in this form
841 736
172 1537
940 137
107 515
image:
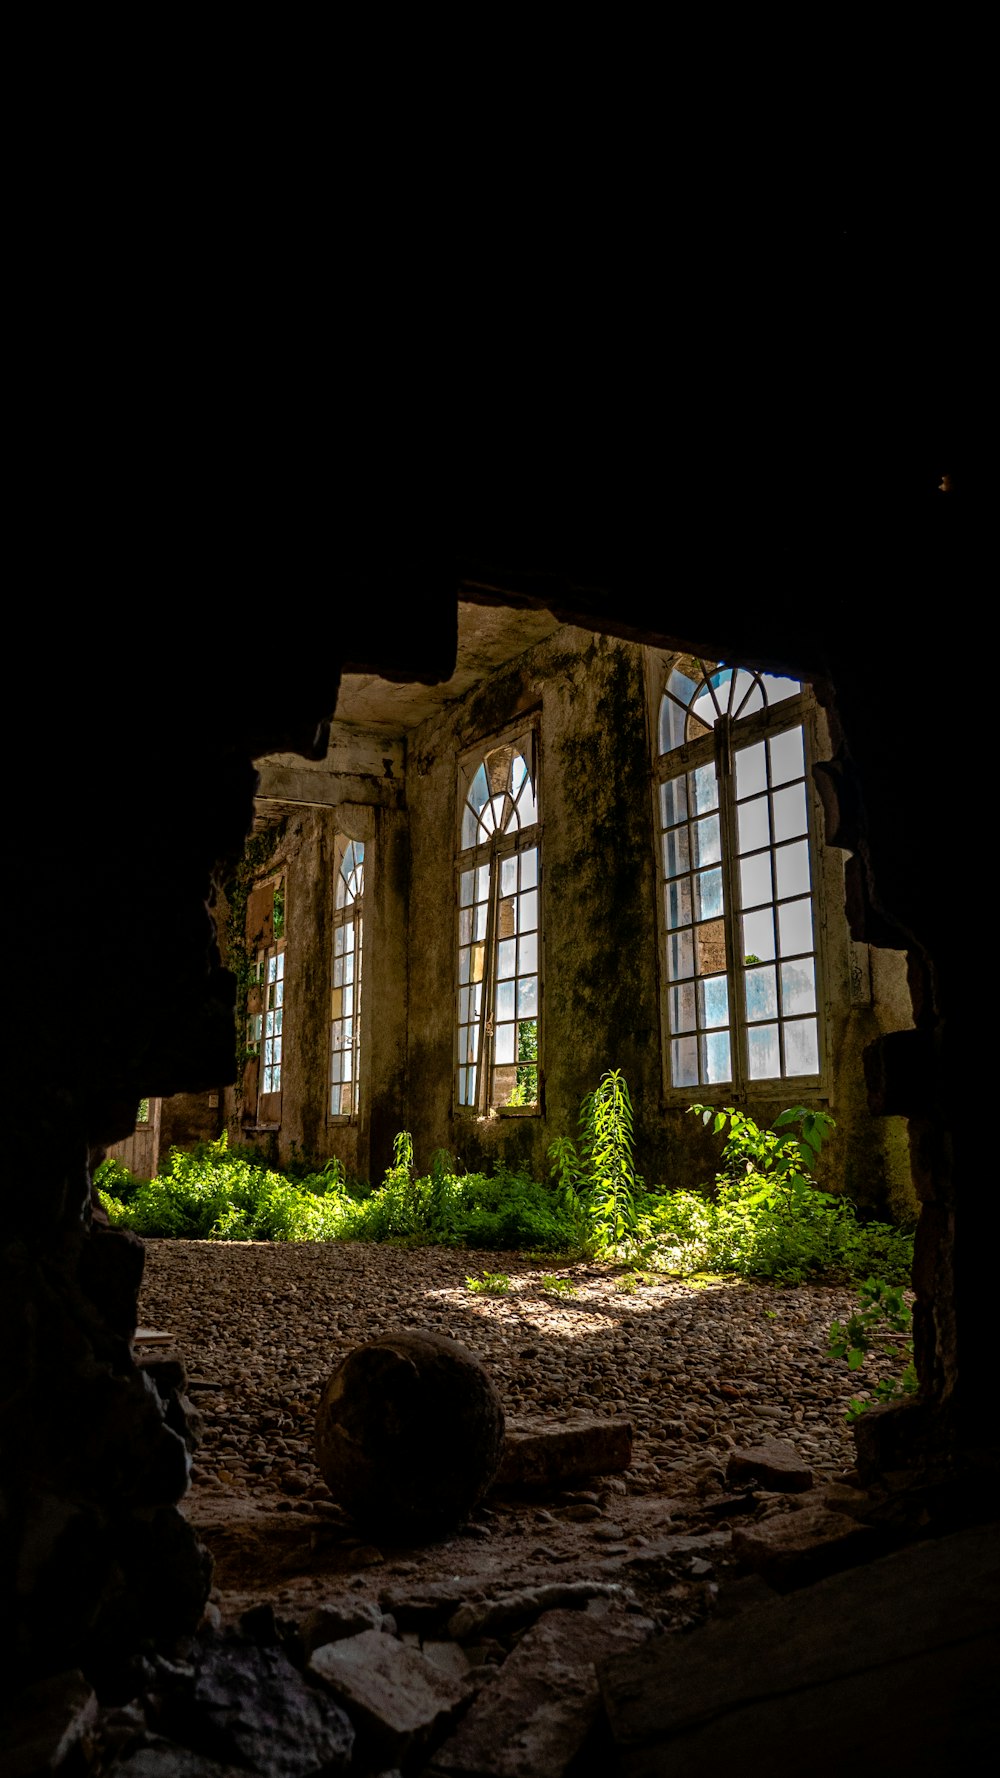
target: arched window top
499 795
698 693
351 875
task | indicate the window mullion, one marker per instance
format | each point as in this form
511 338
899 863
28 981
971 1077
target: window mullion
484 1077
731 890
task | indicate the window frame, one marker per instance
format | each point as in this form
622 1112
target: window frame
350 915
719 746
266 1113
492 853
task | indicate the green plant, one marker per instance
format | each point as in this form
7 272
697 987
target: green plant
598 1176
881 1314
765 1216
493 1283
558 1286
525 1089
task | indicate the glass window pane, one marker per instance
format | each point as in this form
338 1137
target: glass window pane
682 1008
713 1001
684 1061
787 756
349 937
508 875
507 918
478 961
506 953
676 851
706 789
349 967
463 965
761 993
269 1024
529 868
755 879
758 936
527 954
527 997
338 971
678 903
529 911
479 927
752 824
711 947
338 941
465 888
504 1051
463 1006
762 1052
482 882
527 808
279 987
716 1065
751 770
277 1019
347 1100
707 841
505 1000
673 801
335 1067
671 724
708 895
801 1047
465 926
791 869
272 967
748 696
790 812
798 986
795 927
680 954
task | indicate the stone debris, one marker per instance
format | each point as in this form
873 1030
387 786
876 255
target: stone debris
793 1549
323 1652
393 1693
268 1323
538 1453
770 1464
499 1616
538 1713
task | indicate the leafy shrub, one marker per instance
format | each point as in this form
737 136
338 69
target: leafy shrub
881 1314
765 1217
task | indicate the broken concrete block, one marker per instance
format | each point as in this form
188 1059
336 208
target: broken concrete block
333 1623
540 1453
537 1714
396 1697
792 1549
771 1464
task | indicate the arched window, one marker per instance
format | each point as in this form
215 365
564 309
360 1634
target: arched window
345 1001
497 1053
737 913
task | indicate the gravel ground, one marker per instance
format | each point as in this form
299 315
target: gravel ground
261 1326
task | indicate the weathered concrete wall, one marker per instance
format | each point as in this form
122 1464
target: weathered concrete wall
306 855
600 990
594 698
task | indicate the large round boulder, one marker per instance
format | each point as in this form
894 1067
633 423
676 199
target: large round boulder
409 1434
